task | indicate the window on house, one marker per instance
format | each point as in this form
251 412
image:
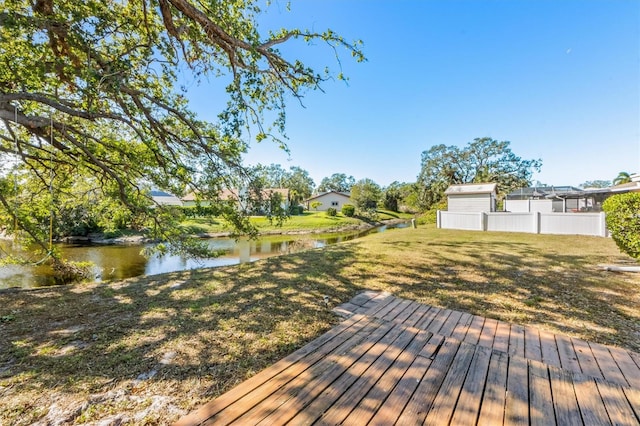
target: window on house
334 203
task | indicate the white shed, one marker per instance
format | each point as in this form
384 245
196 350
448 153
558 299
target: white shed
472 197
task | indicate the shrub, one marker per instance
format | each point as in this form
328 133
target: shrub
331 211
623 220
349 210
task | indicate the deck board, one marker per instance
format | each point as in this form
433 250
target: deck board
394 361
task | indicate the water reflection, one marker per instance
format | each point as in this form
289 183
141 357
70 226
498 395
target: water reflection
118 262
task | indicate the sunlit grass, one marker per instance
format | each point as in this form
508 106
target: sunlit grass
185 337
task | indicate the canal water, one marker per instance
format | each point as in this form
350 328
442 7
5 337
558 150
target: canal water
114 262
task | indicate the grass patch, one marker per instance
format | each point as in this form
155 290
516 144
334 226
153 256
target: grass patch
153 348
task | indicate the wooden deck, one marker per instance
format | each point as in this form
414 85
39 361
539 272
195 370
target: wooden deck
393 361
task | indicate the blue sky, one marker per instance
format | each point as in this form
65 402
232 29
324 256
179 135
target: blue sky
559 79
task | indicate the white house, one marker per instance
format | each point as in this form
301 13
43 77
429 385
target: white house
331 199
472 197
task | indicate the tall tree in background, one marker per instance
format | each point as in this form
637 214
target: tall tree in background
296 180
483 160
338 182
623 177
89 89
365 193
596 184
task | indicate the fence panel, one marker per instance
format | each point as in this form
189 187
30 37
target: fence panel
512 222
472 221
572 223
534 222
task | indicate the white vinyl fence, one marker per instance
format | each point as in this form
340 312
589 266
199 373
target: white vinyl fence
534 222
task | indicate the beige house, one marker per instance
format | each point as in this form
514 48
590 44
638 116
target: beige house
331 199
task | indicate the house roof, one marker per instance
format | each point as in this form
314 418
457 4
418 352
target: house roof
165 199
471 188
233 194
344 194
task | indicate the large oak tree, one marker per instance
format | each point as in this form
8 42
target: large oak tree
89 89
483 160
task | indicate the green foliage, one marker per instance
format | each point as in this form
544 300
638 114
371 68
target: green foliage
349 210
296 180
332 212
88 93
623 221
596 184
483 160
315 205
296 210
365 194
431 215
338 182
623 177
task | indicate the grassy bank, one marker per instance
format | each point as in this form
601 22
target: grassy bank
147 350
308 221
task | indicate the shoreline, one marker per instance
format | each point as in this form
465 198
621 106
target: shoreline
98 239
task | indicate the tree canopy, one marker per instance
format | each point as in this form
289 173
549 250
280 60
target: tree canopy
483 160
623 177
338 182
89 89
365 193
596 184
296 180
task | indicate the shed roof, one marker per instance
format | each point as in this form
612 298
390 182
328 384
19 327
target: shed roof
472 188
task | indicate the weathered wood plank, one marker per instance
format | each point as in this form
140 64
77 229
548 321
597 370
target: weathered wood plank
366 380
501 339
565 403
383 307
369 405
450 324
438 321
607 364
549 349
587 361
633 397
422 399
626 364
428 318
488 332
346 331
406 313
589 400
540 399
532 349
516 340
618 408
336 378
462 326
416 316
516 411
568 357
445 400
493 401
391 408
473 333
468 407
293 388
389 314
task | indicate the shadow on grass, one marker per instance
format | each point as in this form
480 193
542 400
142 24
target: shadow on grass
203 331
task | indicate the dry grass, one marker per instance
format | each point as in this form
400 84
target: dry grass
147 350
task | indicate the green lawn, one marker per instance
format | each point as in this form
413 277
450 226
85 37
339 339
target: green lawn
159 346
310 220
